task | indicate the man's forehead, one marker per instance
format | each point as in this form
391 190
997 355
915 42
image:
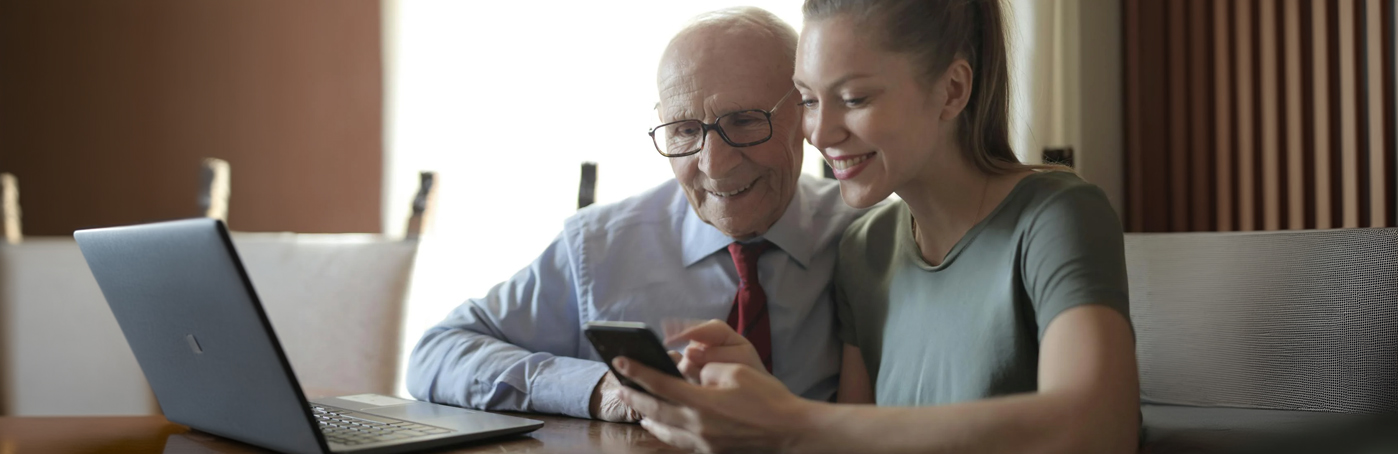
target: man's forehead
717 69
699 101
713 89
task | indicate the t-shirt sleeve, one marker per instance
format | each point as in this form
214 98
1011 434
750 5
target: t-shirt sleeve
1074 254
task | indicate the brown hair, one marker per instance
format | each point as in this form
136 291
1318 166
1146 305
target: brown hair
934 33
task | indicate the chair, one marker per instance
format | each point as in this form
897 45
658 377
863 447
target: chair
62 351
1252 332
336 302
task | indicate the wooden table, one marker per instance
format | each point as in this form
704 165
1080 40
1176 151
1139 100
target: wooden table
154 434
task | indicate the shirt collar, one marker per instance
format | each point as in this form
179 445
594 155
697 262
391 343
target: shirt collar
791 233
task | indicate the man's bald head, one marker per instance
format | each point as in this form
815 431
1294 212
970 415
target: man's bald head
712 37
735 61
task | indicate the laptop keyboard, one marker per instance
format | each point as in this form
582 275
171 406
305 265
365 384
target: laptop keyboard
352 428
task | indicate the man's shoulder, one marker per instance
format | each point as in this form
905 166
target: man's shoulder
823 201
879 222
661 206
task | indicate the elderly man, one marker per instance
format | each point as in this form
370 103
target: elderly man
738 235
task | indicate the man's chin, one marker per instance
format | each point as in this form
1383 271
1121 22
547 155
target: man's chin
741 224
743 215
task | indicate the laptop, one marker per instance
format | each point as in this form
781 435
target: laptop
197 328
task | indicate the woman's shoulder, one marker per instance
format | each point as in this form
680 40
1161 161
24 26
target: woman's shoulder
1054 182
1058 191
1063 201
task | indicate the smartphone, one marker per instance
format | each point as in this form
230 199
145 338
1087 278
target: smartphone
633 340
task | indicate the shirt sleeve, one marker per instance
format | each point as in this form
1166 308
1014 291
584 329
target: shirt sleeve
844 315
1074 254
514 349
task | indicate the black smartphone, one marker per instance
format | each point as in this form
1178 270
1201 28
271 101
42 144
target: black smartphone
633 340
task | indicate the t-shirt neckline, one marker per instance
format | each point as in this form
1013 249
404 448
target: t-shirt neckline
909 246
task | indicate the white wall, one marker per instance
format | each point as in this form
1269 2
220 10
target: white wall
1066 86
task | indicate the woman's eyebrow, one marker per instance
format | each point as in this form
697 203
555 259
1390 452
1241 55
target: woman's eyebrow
838 82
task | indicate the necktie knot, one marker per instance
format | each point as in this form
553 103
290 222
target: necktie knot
745 258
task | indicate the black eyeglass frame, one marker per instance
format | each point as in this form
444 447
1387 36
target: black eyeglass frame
706 127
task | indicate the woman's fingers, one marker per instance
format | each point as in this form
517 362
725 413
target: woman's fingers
710 333
673 326
723 374
737 354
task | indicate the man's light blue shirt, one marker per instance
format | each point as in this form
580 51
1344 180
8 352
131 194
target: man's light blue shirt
645 259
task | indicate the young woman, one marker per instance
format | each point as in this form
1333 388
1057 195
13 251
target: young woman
984 312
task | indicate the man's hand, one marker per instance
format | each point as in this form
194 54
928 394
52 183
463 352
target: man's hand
606 402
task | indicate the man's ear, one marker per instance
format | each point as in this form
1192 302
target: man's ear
957 80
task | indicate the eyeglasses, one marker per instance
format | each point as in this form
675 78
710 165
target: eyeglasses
743 128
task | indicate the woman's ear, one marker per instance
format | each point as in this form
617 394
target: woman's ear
957 82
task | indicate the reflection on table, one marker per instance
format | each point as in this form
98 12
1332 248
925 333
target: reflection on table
154 434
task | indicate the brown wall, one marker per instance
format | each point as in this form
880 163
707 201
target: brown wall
108 107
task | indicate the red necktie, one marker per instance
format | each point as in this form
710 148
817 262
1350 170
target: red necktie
749 313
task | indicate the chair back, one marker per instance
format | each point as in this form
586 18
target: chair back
335 301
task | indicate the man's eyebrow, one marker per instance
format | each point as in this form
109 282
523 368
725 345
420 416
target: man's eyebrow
675 114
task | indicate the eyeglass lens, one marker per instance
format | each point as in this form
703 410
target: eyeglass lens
738 129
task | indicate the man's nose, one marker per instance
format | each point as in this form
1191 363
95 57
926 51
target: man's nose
718 157
824 130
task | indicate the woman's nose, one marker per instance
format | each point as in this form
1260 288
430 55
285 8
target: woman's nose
822 129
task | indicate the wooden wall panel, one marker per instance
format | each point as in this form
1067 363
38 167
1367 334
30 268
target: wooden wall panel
1295 182
1179 124
1277 114
1390 102
1374 171
1349 120
1269 151
1135 173
109 107
1224 119
1201 91
1310 72
1245 93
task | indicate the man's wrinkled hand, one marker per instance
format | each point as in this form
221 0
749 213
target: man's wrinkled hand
606 401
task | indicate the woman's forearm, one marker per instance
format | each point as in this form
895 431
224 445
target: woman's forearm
1030 423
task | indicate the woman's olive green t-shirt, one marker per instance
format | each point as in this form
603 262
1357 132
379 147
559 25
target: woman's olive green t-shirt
970 327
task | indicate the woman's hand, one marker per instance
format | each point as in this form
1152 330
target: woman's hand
713 342
735 407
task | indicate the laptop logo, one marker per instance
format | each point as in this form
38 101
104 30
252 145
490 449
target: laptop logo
194 344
